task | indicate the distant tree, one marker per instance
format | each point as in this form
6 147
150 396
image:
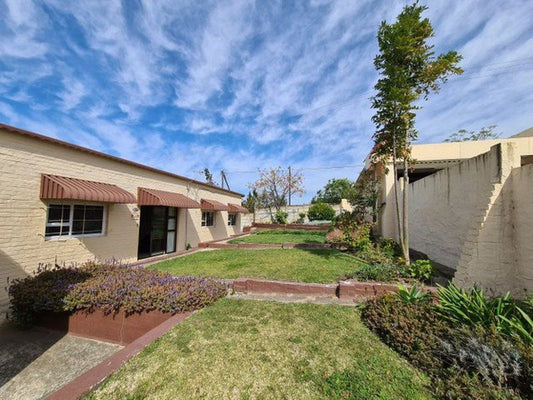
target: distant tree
274 185
365 198
209 176
409 70
334 191
485 133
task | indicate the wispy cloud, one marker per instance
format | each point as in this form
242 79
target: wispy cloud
242 85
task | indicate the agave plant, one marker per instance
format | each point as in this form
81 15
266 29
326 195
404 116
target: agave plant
413 295
475 307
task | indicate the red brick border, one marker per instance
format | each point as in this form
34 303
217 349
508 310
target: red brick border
118 328
217 245
246 285
344 290
84 383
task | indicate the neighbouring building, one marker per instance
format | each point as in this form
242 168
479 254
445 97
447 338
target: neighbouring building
62 203
470 209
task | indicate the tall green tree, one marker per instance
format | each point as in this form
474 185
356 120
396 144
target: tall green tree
334 191
409 71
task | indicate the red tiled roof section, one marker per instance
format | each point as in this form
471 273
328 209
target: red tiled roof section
213 205
154 197
54 187
236 208
110 157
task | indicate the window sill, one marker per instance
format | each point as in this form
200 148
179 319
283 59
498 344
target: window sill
65 238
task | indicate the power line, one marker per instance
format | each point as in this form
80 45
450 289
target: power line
301 169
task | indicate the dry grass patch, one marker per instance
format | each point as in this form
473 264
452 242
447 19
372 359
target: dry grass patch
239 349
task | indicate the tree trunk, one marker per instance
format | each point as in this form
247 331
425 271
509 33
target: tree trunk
405 214
396 196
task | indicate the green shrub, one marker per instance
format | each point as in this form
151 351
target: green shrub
462 361
421 270
377 272
389 247
321 212
109 287
413 295
280 217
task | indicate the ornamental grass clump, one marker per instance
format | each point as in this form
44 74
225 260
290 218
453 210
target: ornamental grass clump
108 287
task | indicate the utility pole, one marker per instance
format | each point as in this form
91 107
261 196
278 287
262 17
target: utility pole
290 178
223 179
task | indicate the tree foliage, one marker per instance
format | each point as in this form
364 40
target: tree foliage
274 185
463 135
321 212
334 191
409 71
208 176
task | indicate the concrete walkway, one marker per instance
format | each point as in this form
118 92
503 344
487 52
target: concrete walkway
36 362
288 298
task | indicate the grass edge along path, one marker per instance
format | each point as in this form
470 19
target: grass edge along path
294 265
263 350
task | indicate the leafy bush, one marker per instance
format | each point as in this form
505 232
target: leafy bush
413 295
321 212
471 307
110 287
280 217
377 272
389 248
421 270
462 361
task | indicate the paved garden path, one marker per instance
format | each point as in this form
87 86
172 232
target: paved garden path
287 298
37 361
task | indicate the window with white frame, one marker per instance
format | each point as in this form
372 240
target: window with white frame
75 220
232 219
208 218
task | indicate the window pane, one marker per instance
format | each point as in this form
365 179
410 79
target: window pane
79 211
94 212
55 212
53 231
172 212
92 226
77 227
171 239
171 224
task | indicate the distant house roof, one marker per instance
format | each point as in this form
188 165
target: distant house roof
110 157
526 133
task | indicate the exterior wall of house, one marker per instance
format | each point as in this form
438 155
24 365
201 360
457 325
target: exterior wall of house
440 155
522 187
262 216
23 214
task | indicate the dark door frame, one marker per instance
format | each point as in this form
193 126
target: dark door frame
144 248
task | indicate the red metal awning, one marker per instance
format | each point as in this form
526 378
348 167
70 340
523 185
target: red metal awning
55 187
236 208
213 205
154 197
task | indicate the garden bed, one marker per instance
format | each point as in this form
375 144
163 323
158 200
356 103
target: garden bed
110 302
471 345
119 327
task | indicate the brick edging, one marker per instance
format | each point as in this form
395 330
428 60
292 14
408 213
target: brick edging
90 379
323 227
344 290
217 245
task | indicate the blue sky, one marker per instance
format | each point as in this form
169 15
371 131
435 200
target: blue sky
242 85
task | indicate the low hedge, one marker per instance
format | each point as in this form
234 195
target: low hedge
463 361
109 287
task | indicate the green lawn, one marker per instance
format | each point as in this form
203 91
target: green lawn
239 349
278 236
297 265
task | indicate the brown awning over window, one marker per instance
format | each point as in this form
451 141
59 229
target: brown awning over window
235 208
55 187
154 197
213 205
